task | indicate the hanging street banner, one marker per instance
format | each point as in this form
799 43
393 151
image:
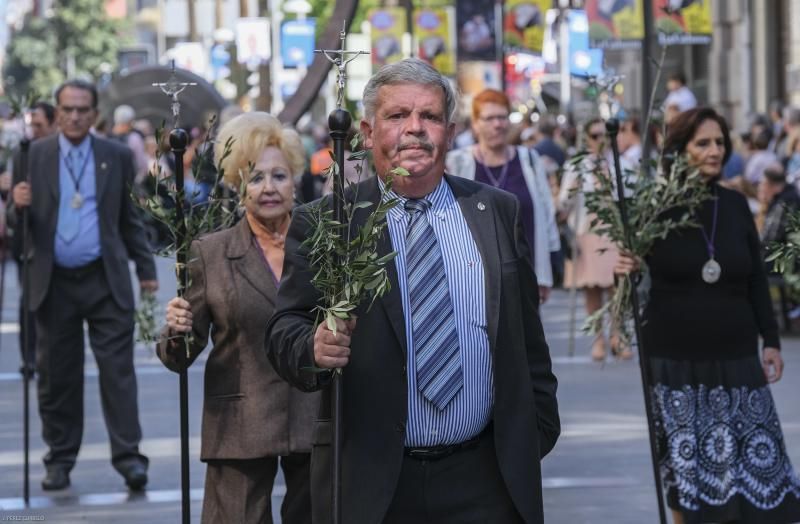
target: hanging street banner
252 41
524 24
615 24
388 25
477 39
689 25
584 61
435 42
297 42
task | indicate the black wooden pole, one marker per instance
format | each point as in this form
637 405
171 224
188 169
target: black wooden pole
339 124
612 129
26 329
647 83
178 140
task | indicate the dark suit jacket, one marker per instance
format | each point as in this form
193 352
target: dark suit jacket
122 236
248 410
526 423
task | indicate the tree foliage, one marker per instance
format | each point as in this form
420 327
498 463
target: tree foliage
78 39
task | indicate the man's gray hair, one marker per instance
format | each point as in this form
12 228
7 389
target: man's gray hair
408 71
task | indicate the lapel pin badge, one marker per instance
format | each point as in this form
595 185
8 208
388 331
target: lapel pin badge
103 165
481 206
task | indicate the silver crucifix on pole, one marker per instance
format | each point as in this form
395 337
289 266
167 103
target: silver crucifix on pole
338 57
172 88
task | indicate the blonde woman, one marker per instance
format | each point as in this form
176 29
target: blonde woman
252 420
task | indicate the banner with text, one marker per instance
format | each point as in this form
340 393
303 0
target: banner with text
691 24
615 24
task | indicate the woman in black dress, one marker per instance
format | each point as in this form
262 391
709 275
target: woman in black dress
721 447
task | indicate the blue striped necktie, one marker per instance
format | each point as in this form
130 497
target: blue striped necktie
433 326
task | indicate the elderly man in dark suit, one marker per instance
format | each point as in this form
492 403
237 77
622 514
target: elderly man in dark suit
449 397
84 228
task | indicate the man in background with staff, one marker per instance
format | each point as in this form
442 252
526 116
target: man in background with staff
448 395
83 227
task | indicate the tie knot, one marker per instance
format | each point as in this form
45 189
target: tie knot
414 205
73 156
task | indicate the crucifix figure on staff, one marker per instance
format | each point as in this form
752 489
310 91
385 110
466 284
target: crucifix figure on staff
172 88
448 405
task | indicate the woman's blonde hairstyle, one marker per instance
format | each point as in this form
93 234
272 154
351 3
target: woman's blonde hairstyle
249 134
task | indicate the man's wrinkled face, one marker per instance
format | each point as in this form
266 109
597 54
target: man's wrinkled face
75 113
409 130
492 125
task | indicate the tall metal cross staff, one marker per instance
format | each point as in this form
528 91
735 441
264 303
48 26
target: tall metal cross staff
25 325
612 130
339 124
178 140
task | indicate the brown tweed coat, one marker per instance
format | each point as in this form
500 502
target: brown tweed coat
248 411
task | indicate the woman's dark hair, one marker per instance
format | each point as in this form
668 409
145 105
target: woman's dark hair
589 123
683 128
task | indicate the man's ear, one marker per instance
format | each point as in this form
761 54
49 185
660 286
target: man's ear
366 132
451 134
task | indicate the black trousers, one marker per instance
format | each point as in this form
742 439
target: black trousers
75 297
464 488
241 490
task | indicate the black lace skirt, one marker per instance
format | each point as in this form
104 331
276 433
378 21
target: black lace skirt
720 444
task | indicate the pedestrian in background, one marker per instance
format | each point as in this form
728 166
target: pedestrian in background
517 170
84 228
721 448
252 420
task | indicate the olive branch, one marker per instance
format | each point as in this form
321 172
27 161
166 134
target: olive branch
347 268
657 204
784 254
216 213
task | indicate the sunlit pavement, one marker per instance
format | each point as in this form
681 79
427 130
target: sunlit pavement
599 471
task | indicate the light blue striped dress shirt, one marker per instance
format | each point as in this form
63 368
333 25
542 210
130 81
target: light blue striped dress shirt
85 247
470 410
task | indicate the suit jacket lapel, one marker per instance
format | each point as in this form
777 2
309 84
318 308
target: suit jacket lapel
391 301
249 262
481 218
52 166
102 167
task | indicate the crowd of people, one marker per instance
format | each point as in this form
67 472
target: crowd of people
449 415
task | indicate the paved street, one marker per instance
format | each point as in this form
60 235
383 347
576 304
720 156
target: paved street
599 471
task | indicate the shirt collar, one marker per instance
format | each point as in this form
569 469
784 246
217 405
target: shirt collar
441 198
66 146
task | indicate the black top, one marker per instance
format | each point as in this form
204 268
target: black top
514 182
688 319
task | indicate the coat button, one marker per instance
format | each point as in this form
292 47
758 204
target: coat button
400 427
